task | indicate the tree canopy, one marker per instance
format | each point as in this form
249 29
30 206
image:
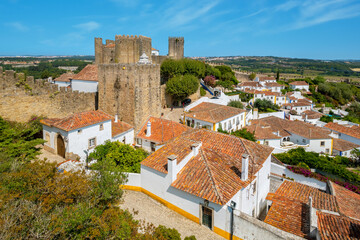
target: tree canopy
181 87
265 105
236 104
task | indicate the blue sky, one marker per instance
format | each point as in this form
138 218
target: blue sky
319 29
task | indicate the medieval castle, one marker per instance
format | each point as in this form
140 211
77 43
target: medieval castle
128 84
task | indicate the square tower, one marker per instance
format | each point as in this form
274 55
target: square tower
176 47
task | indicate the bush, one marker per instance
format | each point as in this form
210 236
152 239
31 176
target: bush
202 91
264 105
235 104
326 119
210 81
252 76
164 233
127 158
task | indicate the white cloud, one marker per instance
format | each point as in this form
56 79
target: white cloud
88 26
18 26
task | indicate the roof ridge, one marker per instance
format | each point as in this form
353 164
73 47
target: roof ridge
210 175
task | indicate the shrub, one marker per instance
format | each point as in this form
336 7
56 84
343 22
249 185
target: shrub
210 81
164 233
236 104
202 91
181 87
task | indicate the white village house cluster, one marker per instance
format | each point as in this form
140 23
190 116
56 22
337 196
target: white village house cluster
224 182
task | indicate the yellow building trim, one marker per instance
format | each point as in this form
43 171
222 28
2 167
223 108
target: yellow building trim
217 230
332 144
275 99
214 126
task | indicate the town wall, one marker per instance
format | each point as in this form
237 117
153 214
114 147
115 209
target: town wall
130 90
22 98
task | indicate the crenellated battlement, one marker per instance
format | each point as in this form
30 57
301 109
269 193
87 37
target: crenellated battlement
23 96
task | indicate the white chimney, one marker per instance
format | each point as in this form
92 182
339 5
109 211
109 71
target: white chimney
255 113
148 129
116 118
244 167
171 167
195 148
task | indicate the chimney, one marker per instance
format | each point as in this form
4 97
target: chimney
313 219
148 129
256 113
195 148
244 167
171 167
200 126
116 118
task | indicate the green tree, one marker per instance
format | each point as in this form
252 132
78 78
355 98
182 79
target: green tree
265 105
277 75
126 158
326 119
244 133
181 87
236 104
171 68
202 91
252 76
194 67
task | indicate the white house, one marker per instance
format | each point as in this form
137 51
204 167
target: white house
274 86
300 106
214 116
350 134
302 85
344 148
155 132
265 135
274 97
63 80
86 80
250 86
77 135
204 174
154 52
264 80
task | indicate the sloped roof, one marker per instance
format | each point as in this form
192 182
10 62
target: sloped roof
111 45
214 173
276 124
119 127
88 73
162 130
262 132
213 113
288 215
343 145
348 201
333 227
351 131
299 83
301 192
65 77
250 84
311 114
273 84
307 130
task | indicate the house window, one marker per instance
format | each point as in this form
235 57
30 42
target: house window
139 141
207 216
101 127
322 143
124 140
304 140
254 188
242 117
345 153
266 142
79 131
153 146
92 142
327 150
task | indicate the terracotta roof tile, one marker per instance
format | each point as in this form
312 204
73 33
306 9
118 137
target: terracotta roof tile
273 84
348 201
88 73
77 120
65 77
333 227
111 45
299 83
212 173
311 114
262 131
119 127
343 145
276 124
213 113
351 131
289 215
250 84
162 130
301 192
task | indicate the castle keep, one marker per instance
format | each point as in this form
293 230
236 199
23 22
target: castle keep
129 77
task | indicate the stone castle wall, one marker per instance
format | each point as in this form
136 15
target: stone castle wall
21 98
176 47
130 90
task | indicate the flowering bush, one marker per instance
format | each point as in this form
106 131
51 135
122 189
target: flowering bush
308 173
210 81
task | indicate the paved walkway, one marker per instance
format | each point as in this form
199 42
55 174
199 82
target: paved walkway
154 212
50 156
173 115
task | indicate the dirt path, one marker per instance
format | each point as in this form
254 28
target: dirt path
154 212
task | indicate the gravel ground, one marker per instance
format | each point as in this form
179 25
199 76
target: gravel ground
50 156
154 212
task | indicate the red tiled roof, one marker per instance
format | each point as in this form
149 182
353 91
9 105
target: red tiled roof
343 145
88 73
153 49
299 83
213 113
262 132
288 215
333 227
351 131
162 130
212 173
298 104
119 127
348 201
111 45
250 84
77 120
276 124
311 114
65 77
273 84
301 192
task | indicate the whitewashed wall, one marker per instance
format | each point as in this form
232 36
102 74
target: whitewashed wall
62 84
274 114
134 179
84 86
128 136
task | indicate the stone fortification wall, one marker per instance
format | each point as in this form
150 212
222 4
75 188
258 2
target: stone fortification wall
176 47
124 49
23 97
130 90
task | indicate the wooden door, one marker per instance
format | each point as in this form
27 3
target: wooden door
60 146
207 217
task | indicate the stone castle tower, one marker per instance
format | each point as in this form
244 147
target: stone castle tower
129 77
176 47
